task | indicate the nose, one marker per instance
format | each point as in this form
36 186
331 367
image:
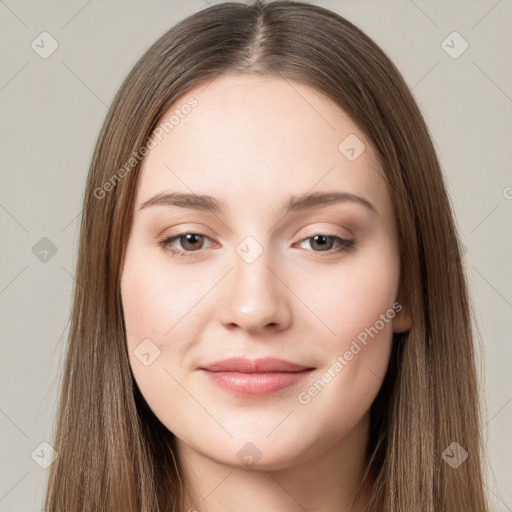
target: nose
254 296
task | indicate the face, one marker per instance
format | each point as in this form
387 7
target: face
260 271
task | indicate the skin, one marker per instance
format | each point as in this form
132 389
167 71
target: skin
252 142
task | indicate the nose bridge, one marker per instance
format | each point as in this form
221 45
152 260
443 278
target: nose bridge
253 296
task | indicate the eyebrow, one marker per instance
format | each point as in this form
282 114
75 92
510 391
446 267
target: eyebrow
296 203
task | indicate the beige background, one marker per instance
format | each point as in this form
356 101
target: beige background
51 112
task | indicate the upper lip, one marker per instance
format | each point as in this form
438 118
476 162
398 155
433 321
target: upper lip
244 365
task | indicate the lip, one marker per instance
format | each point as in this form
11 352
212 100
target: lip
245 365
252 377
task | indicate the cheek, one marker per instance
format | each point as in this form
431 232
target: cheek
154 314
144 304
150 308
156 299
357 307
350 298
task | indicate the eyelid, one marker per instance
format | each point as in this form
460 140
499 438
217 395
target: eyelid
326 231
310 232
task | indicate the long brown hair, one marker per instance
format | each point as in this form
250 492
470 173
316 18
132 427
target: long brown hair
113 453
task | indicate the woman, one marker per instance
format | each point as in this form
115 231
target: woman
271 311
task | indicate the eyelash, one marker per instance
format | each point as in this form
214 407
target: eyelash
165 242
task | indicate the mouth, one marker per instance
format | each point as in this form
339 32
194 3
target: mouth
254 377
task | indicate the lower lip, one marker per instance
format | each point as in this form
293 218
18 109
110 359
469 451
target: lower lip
254 384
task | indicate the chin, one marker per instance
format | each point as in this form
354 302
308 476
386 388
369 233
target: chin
260 454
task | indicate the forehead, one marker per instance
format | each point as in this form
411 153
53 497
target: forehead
250 136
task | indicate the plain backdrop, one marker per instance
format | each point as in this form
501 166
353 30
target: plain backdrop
52 107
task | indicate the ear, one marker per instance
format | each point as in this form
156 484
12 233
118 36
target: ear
403 318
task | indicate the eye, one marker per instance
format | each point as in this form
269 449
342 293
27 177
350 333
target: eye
191 243
326 242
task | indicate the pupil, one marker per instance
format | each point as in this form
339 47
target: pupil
190 239
322 243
